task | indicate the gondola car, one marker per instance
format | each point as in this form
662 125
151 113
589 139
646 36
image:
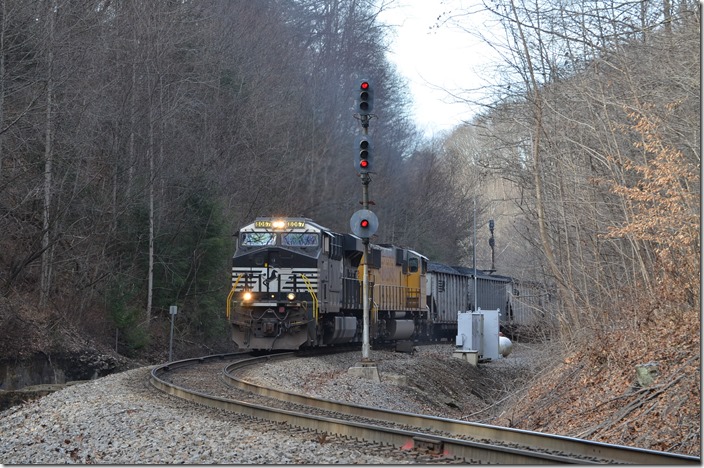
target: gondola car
452 289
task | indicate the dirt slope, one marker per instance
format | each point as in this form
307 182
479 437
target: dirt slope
593 392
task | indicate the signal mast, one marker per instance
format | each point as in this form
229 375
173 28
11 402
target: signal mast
364 222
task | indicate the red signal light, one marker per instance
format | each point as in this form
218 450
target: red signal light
364 224
364 160
364 103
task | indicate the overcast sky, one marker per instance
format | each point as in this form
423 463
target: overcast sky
433 55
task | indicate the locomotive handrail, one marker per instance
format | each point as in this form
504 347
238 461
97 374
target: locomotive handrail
232 293
309 286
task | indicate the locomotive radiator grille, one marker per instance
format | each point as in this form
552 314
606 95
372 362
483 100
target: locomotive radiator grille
397 297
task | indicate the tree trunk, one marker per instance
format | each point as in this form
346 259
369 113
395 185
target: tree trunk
3 27
150 155
535 93
45 283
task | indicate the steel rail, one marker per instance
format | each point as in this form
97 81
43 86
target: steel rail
463 449
536 440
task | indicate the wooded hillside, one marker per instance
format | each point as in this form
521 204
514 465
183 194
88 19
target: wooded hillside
137 136
596 130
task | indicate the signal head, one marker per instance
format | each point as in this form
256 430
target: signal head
365 98
364 223
364 154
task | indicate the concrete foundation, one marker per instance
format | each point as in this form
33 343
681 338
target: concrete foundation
365 370
471 357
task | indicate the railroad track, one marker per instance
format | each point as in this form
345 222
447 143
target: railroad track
443 438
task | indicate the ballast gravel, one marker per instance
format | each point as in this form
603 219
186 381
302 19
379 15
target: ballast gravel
122 419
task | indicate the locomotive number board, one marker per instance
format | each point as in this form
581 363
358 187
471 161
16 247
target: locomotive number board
279 224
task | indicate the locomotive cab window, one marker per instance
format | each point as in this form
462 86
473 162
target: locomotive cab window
251 239
413 264
300 239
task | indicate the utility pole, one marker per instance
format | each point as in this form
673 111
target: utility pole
492 243
474 253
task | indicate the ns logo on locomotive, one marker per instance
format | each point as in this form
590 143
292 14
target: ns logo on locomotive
298 284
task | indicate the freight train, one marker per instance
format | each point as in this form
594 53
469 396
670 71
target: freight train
297 284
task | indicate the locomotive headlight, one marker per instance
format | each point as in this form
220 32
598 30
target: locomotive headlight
291 296
278 224
247 296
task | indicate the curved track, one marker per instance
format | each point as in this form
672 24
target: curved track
469 442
